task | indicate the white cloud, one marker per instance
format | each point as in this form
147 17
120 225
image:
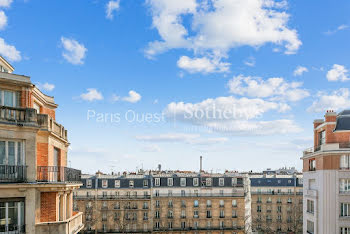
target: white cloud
91 95
274 88
339 28
217 26
231 115
193 139
299 70
151 148
9 51
337 100
110 7
46 86
74 51
337 73
250 61
202 65
115 98
5 3
3 20
133 97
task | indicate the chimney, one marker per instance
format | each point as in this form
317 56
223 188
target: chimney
200 164
330 116
159 167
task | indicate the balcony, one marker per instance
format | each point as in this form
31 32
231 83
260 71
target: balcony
70 226
48 123
12 174
345 146
18 116
58 174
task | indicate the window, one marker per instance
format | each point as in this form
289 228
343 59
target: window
104 183
208 203
170 193
157 215
183 203
9 98
208 181
312 164
234 181
259 199
221 203
221 182
234 213
170 225
145 215
131 183
279 209
170 203
344 209
322 138
195 203
183 225
104 217
145 205
195 181
157 225
222 224
222 214
208 224
36 106
310 227
88 183
279 200
310 206
117 183
344 185
11 153
183 214
234 203
157 203
258 208
195 214
196 193
170 182
104 194
145 183
344 162
290 200
345 230
182 182
170 214
157 182
12 217
195 225
183 193
117 205
208 213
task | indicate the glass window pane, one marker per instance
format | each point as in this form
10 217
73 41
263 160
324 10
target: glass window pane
11 153
12 216
19 154
2 153
8 98
2 216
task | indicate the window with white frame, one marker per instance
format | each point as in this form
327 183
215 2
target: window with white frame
208 181
117 183
310 227
234 181
344 162
344 209
157 182
208 203
221 182
104 183
10 98
182 182
131 183
170 182
345 230
195 181
234 203
344 185
11 153
88 183
145 183
222 203
310 206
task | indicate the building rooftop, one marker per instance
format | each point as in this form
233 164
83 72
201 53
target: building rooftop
343 121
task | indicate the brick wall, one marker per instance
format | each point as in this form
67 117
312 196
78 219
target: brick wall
48 111
42 154
48 206
26 98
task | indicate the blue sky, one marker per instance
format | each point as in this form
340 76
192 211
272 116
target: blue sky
276 65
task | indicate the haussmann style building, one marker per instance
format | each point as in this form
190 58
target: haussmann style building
36 186
165 202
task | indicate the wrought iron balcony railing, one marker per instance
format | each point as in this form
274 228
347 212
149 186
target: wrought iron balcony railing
12 173
58 174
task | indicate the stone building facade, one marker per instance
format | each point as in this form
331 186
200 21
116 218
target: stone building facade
36 186
165 202
277 203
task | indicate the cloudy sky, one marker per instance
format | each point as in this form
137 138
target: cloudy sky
141 83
